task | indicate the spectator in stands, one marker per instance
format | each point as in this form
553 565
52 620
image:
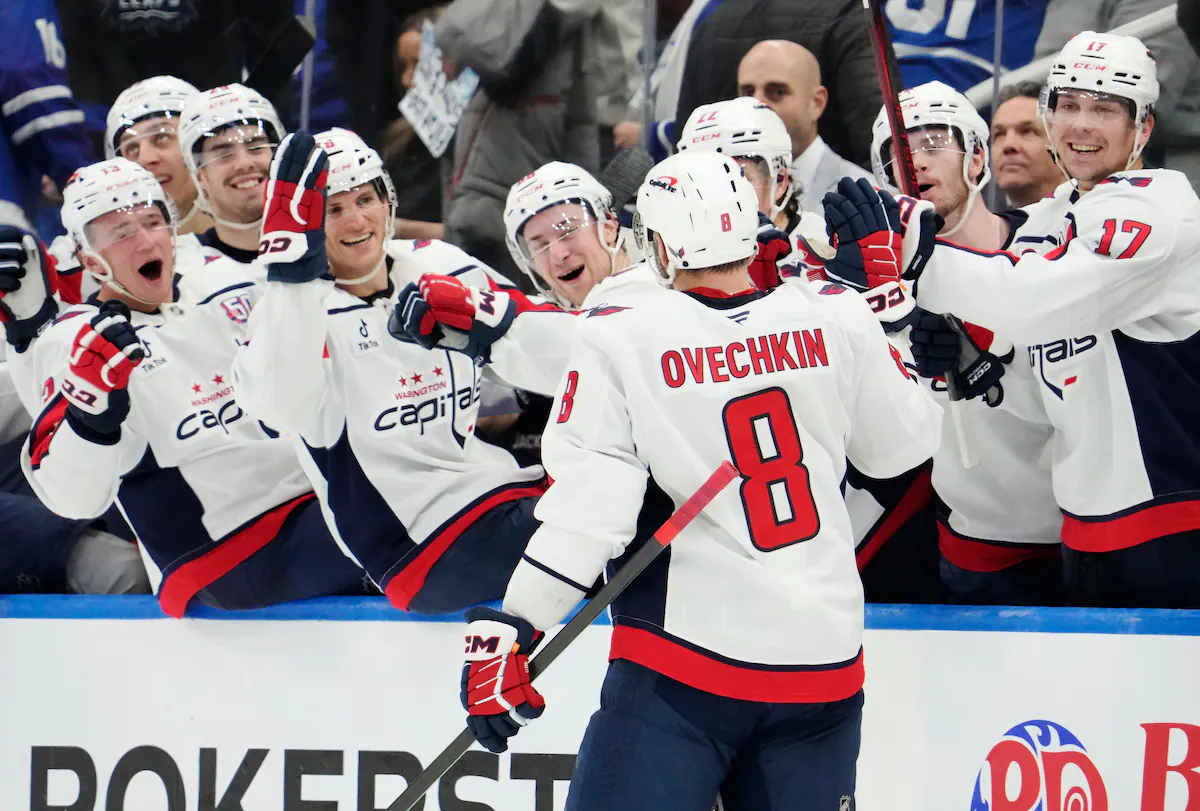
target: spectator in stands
535 104
43 127
787 78
832 30
1022 165
618 41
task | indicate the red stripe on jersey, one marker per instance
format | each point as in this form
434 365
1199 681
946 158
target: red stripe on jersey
915 499
44 429
744 682
180 586
980 556
403 587
1146 524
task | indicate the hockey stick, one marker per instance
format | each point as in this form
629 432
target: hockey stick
279 61
906 177
713 485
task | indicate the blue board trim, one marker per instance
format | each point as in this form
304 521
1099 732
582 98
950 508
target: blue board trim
1158 622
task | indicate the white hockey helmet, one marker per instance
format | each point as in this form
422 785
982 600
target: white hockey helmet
210 111
550 185
116 184
743 128
704 209
158 96
352 164
1108 65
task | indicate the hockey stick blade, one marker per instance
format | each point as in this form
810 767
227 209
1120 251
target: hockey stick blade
679 519
279 61
624 175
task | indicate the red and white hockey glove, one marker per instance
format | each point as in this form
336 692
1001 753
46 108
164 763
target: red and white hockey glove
105 353
26 286
773 245
864 228
442 311
496 692
920 225
293 241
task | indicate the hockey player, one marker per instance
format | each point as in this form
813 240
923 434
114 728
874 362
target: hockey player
139 407
998 524
227 136
437 517
1109 317
710 685
143 126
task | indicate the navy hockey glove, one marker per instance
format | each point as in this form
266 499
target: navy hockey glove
26 286
773 245
293 242
864 226
940 350
105 353
443 312
496 691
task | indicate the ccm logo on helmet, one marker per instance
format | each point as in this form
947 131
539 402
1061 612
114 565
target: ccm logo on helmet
205 419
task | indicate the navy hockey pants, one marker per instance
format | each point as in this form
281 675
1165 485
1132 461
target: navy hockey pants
476 568
302 561
1161 573
1030 582
657 744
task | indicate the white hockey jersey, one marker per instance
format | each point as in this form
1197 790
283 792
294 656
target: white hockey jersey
1109 318
389 425
195 475
759 597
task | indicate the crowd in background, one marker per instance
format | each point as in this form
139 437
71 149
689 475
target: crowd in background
559 80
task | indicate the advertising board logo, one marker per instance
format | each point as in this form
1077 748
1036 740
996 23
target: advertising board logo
1039 766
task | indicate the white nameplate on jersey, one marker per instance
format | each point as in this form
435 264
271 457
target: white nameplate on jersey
363 341
433 105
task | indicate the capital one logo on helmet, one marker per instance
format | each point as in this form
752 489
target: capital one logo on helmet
1039 766
664 182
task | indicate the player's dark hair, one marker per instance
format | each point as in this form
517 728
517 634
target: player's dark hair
727 267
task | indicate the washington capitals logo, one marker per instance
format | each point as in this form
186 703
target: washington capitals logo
604 310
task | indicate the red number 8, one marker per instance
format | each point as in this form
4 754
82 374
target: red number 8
726 225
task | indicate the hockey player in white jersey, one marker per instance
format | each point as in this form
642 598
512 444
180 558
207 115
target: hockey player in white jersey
437 517
227 136
139 407
711 683
143 126
1109 319
998 524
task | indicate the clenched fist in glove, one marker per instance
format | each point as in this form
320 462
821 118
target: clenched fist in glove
773 245
496 690
105 353
26 286
941 350
865 229
293 241
442 311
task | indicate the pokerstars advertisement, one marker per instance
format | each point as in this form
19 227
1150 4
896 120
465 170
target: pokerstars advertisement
318 715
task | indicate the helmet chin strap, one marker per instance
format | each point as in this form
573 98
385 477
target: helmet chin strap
201 203
974 194
107 278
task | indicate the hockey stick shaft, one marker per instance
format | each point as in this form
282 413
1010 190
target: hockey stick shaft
906 178
650 550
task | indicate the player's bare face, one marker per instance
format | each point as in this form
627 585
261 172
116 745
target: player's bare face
139 246
153 144
938 159
1093 134
234 165
1019 149
563 243
355 231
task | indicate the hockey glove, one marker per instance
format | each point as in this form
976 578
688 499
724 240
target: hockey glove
773 245
26 286
105 353
920 225
940 350
293 241
442 311
864 226
496 692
